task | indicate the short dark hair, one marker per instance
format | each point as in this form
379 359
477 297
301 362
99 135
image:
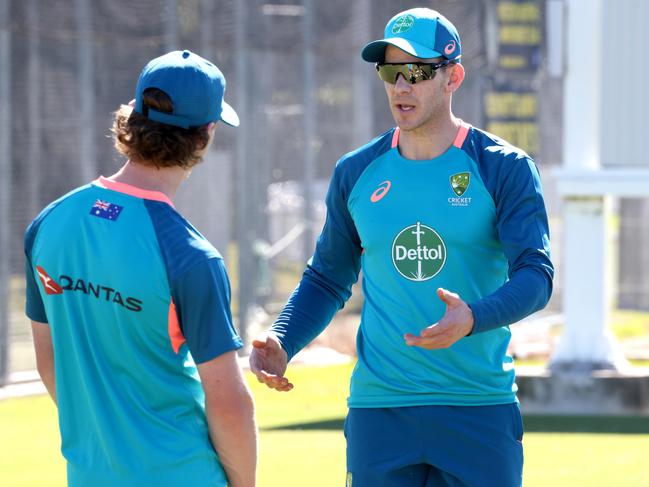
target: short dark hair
153 143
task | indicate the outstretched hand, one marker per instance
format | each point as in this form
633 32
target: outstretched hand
456 323
268 361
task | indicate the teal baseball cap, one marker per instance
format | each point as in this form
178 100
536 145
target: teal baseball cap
421 32
194 85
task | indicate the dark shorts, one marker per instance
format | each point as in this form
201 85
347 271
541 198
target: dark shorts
426 446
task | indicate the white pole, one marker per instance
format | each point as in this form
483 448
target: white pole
586 343
5 184
582 91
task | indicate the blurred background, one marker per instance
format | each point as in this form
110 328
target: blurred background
563 79
305 98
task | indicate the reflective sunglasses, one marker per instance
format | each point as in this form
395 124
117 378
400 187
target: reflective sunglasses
412 72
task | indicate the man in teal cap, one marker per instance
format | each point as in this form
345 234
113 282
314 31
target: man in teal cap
130 304
448 224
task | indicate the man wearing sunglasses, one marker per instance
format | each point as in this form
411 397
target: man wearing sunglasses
449 226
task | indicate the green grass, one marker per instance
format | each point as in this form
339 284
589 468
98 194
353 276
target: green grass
629 324
29 443
301 442
593 460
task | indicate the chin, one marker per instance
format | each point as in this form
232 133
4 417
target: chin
407 125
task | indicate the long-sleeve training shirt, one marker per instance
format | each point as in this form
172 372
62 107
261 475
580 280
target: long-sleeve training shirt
472 221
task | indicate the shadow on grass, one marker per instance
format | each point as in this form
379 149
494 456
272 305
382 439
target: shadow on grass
326 424
627 425
533 424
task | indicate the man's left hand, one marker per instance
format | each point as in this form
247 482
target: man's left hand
456 323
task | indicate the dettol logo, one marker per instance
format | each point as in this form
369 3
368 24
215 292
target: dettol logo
418 252
403 24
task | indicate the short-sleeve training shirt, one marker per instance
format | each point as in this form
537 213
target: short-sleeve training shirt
134 296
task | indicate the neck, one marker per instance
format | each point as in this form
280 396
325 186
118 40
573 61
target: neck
165 180
429 141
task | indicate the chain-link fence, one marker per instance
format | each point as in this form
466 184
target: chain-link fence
296 79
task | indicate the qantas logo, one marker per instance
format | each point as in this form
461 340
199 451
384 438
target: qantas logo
90 289
49 284
381 191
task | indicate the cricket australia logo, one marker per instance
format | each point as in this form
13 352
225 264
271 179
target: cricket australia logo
418 253
459 184
403 24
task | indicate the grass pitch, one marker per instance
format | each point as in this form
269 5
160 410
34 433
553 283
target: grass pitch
301 441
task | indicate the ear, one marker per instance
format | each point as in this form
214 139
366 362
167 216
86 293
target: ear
455 77
209 130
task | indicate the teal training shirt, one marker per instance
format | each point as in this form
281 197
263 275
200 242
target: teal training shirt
135 297
471 221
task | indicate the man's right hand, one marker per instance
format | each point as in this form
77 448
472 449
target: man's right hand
268 361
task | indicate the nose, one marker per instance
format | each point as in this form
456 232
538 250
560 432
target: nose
401 85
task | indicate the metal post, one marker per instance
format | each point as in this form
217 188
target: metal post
87 147
242 167
362 72
5 184
310 114
206 29
171 25
555 37
34 112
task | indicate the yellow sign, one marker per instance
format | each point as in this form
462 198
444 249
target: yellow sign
519 12
521 134
520 34
511 105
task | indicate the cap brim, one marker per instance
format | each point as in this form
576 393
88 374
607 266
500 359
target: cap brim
374 52
228 115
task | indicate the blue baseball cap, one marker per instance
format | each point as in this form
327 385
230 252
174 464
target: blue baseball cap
421 32
195 86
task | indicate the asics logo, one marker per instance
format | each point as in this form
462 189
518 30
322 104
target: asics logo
381 191
449 48
49 284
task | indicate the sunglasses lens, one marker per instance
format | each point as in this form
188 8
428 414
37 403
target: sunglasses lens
412 73
389 72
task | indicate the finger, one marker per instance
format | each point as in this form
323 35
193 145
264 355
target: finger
266 341
271 382
269 377
274 379
440 340
281 384
420 342
433 330
447 297
417 341
285 388
260 342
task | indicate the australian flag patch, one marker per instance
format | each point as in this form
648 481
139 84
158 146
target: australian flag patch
106 210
